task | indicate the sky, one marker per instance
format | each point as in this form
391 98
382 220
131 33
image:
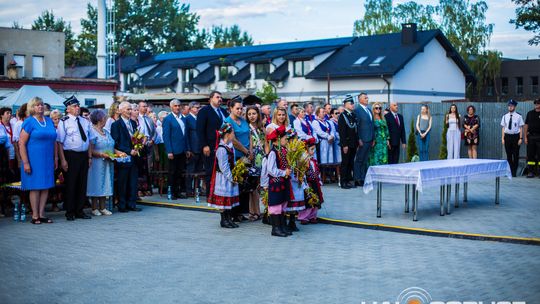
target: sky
271 21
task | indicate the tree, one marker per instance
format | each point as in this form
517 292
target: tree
528 17
378 19
488 65
443 151
267 94
47 21
228 37
86 44
16 25
412 149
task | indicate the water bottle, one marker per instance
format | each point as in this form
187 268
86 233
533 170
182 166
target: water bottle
169 193
197 197
23 212
16 213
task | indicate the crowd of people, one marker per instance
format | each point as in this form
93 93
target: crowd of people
98 155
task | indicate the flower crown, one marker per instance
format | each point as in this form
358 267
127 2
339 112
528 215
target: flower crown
310 142
226 128
291 133
277 133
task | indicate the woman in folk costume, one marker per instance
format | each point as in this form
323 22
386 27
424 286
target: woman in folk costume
224 193
279 183
313 178
334 115
297 203
323 129
280 118
302 126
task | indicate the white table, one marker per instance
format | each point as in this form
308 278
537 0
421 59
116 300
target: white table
435 173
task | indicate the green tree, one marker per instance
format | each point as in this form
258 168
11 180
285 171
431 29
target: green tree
47 21
443 152
412 148
86 45
267 93
378 19
488 65
528 18
16 25
229 36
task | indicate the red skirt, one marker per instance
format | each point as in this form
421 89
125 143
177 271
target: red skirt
223 202
295 206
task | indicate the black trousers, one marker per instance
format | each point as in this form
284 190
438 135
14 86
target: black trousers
127 185
393 154
361 161
193 165
208 166
75 181
177 169
533 152
512 151
347 165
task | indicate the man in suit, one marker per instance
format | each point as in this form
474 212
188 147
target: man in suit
348 137
121 131
209 120
176 141
396 129
366 134
147 127
195 162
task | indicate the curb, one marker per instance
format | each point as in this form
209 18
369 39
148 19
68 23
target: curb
380 227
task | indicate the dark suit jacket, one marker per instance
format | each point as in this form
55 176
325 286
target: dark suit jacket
122 139
348 137
194 143
364 123
208 122
176 141
397 133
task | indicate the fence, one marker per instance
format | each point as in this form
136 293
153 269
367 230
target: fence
490 114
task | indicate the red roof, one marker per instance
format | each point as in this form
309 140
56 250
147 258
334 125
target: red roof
64 84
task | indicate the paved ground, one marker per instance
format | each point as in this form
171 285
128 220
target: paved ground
175 256
517 215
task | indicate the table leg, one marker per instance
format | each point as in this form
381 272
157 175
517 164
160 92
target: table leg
407 190
456 198
448 194
497 188
465 186
379 198
415 203
442 199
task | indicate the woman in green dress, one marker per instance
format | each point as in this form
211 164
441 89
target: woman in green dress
379 152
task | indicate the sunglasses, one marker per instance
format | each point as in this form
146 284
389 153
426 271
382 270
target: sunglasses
377 108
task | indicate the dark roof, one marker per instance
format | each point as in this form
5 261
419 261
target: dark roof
334 42
231 59
242 75
162 75
205 77
81 72
396 55
192 62
280 73
307 54
270 55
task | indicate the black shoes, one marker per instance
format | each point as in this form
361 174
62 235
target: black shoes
292 223
283 225
122 210
226 221
276 226
345 186
83 216
70 217
134 209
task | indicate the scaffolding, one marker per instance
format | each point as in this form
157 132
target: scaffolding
110 39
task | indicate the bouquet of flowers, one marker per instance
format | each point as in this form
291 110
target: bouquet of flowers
138 141
264 197
298 158
240 170
312 198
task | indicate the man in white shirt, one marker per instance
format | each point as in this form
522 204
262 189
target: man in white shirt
149 130
512 135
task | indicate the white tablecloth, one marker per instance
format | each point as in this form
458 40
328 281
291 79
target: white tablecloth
436 172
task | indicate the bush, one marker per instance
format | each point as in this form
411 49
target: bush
267 94
412 149
443 152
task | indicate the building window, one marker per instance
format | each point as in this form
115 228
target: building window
360 60
489 89
187 75
504 86
534 85
37 66
89 102
156 74
262 70
301 68
166 74
519 85
2 64
377 61
19 59
225 72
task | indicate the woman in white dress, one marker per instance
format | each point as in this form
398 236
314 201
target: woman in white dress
453 135
302 126
326 140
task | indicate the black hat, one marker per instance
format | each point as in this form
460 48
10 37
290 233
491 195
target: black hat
512 102
348 98
237 97
71 101
537 101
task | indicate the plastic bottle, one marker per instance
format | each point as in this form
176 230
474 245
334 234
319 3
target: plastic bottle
16 212
23 212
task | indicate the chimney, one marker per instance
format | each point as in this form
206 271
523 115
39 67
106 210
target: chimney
101 40
408 33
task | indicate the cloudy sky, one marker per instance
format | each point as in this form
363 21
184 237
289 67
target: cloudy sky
270 21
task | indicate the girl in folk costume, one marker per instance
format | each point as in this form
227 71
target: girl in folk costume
302 126
297 203
224 193
326 140
279 183
313 177
280 118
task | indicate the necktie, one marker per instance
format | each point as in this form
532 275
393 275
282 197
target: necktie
510 123
397 119
219 114
83 135
148 127
129 127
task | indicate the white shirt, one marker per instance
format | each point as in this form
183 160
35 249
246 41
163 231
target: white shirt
128 125
218 112
143 120
69 136
517 122
180 122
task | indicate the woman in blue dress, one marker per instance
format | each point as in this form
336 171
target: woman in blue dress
101 173
39 158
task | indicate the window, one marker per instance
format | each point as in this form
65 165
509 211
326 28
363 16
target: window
166 74
19 59
156 74
187 75
360 60
489 89
534 85
262 70
519 85
225 72
90 102
2 64
301 68
37 66
377 61
504 86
